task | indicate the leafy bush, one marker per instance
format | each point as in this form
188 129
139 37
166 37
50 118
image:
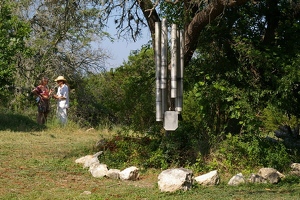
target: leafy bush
122 151
238 153
273 117
178 148
123 96
13 34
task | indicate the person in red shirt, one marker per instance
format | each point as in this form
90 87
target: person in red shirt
43 99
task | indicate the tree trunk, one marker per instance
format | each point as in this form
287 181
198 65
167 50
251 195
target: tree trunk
195 26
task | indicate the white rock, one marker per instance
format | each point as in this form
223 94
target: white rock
171 180
98 170
255 178
83 159
295 166
270 174
113 173
211 178
237 179
88 160
86 193
130 173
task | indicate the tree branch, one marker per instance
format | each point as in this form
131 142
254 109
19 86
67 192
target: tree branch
201 19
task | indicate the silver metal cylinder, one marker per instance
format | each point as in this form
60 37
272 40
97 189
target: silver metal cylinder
174 61
179 102
159 115
164 64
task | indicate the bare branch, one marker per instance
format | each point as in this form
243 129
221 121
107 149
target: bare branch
153 8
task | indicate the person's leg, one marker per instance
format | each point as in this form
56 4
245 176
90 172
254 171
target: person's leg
47 110
40 118
62 115
45 117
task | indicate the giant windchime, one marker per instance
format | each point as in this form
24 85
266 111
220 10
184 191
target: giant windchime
169 79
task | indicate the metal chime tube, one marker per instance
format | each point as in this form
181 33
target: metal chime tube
179 102
164 64
174 61
159 115
169 81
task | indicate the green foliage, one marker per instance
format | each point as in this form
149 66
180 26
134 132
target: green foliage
173 13
158 159
273 117
13 32
289 180
234 77
217 107
179 148
122 96
123 151
247 153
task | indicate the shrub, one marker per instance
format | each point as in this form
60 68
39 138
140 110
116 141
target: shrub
247 153
123 151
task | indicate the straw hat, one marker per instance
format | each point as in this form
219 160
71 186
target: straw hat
60 78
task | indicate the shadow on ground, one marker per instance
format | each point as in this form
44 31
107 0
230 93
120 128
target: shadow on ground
17 122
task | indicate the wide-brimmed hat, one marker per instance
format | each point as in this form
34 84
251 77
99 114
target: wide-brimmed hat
60 78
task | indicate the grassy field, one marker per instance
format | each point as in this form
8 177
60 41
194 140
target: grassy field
39 164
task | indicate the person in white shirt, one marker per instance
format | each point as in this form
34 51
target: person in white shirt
62 97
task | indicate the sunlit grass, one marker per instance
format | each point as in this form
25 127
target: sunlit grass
40 164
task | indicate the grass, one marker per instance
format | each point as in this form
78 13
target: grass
39 164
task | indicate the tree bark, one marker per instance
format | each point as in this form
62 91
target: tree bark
150 15
272 18
195 26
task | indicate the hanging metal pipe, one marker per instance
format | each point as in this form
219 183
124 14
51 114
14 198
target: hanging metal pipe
159 116
179 102
164 64
174 61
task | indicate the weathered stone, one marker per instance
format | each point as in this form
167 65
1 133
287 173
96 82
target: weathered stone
295 166
295 173
211 178
130 173
86 193
254 178
237 179
270 174
113 173
98 170
89 160
171 180
82 160
295 169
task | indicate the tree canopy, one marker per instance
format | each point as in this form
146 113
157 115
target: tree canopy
13 35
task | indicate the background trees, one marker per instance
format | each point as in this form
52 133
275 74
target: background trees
61 36
13 35
122 96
